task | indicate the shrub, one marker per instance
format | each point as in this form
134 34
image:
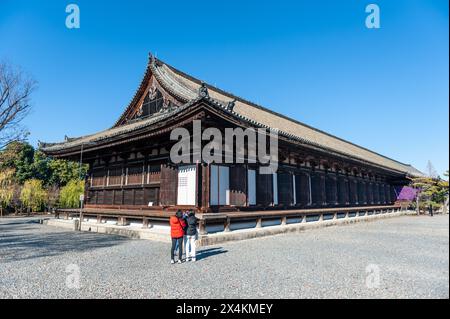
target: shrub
33 195
69 196
6 189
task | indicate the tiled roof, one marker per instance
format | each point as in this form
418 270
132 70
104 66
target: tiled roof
186 87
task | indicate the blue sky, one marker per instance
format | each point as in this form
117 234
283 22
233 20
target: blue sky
385 89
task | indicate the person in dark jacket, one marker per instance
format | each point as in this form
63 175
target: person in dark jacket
191 236
177 225
430 210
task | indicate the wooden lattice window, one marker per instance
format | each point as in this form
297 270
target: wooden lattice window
154 174
153 102
98 178
135 174
114 176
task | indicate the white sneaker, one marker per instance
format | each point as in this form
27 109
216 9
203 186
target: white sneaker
172 261
179 261
192 259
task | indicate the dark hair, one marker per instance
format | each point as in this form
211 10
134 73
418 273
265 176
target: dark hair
179 214
191 212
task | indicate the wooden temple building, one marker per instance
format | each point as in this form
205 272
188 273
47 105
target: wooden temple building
131 175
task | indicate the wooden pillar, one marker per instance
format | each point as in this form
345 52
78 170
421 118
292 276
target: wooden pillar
205 187
202 227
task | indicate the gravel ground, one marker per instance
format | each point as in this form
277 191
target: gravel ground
411 254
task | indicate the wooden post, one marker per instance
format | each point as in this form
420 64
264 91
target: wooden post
258 222
121 221
335 216
205 186
202 227
303 217
320 217
284 221
417 205
66 216
99 219
227 223
145 222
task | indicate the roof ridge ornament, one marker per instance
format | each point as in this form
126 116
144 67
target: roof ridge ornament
151 58
230 105
203 90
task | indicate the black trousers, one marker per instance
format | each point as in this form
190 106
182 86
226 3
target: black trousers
180 248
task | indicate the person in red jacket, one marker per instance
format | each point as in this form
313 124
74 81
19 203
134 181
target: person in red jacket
177 226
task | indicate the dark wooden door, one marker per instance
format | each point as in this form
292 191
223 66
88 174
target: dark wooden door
285 189
238 187
264 189
169 185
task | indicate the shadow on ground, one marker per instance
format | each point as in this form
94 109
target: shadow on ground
22 240
205 253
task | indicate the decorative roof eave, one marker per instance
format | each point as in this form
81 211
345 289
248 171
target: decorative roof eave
297 139
105 137
74 146
151 69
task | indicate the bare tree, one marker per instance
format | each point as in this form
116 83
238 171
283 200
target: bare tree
430 170
15 90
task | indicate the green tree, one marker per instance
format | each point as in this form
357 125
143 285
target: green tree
19 156
69 196
63 171
433 191
34 164
40 167
6 188
33 195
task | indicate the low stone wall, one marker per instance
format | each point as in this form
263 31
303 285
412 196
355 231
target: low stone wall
161 232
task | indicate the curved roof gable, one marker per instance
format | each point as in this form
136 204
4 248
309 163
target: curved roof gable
185 88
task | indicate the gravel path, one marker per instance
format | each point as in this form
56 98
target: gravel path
409 255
